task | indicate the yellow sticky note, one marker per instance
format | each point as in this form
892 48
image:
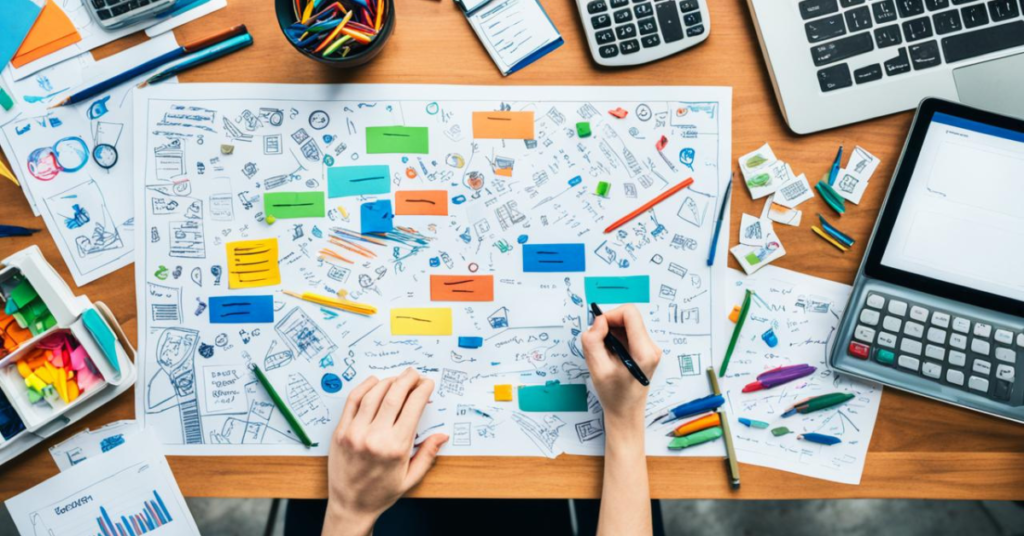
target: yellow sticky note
503 393
6 173
423 321
253 263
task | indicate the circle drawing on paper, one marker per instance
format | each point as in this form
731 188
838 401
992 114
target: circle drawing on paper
319 120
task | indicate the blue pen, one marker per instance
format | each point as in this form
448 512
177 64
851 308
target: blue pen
689 409
821 439
180 7
718 224
163 59
201 57
832 175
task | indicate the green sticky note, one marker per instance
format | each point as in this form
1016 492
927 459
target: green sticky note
553 396
286 205
626 289
397 140
780 431
583 129
5 100
603 188
753 259
23 294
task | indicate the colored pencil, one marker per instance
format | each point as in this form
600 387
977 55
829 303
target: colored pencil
154 63
648 205
294 423
203 56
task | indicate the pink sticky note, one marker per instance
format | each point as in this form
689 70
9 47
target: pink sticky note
78 358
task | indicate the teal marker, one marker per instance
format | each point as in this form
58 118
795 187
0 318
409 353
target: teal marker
751 423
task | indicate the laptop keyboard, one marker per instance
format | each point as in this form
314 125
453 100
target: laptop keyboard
108 9
943 347
920 33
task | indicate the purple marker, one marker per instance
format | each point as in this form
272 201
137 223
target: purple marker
779 376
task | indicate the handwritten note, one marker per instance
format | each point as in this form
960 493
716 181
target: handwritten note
421 321
503 125
421 203
471 288
397 140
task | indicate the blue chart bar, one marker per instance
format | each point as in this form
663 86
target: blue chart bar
153 515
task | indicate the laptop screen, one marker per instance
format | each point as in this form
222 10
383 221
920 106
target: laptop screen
962 217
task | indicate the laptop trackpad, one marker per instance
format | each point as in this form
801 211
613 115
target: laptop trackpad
993 85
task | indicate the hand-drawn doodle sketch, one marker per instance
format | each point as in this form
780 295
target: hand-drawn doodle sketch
503 198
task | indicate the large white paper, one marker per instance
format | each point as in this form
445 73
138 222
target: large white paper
195 389
87 209
94 36
131 487
804 313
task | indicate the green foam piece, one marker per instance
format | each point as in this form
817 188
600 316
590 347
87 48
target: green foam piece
780 431
5 100
603 188
583 129
34 396
23 294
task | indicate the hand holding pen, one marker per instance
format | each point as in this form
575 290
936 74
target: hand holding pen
622 393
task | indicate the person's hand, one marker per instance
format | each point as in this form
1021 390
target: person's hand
369 463
623 398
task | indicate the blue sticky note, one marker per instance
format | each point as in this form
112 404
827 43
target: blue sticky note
18 18
358 180
241 309
553 396
628 289
376 217
554 258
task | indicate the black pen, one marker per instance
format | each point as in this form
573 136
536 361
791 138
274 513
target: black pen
615 346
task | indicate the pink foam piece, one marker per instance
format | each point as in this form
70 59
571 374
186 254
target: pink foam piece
78 358
87 379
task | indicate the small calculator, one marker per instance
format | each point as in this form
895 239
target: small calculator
632 32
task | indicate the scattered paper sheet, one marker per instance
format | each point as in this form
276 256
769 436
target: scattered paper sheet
853 179
115 493
753 258
52 31
794 192
496 226
89 444
803 312
94 36
514 32
86 208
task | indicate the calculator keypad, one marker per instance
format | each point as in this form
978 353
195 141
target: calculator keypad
626 26
951 350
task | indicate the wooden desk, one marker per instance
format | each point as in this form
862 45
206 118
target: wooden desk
920 449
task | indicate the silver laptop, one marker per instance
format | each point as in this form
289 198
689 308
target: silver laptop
835 62
938 304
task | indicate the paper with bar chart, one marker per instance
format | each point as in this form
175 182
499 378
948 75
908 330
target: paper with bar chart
127 492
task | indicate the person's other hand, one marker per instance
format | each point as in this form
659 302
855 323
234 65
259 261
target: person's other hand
369 462
622 397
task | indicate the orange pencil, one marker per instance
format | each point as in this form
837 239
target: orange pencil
647 206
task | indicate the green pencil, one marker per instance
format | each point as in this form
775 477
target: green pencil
819 403
288 415
736 332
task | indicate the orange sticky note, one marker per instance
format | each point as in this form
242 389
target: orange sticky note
503 393
476 288
52 31
503 125
421 203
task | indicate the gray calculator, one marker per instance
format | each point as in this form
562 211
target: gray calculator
632 32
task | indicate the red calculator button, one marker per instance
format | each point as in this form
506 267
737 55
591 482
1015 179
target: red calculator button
859 350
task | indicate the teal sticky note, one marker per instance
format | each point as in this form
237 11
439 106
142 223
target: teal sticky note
358 180
553 396
397 140
287 205
18 18
628 289
6 102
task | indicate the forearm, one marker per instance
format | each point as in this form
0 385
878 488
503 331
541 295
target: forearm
338 522
626 497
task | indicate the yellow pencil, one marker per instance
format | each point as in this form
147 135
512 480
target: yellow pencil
828 238
335 303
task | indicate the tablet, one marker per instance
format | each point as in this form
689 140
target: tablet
952 224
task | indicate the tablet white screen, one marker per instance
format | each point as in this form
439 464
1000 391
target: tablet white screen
962 219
